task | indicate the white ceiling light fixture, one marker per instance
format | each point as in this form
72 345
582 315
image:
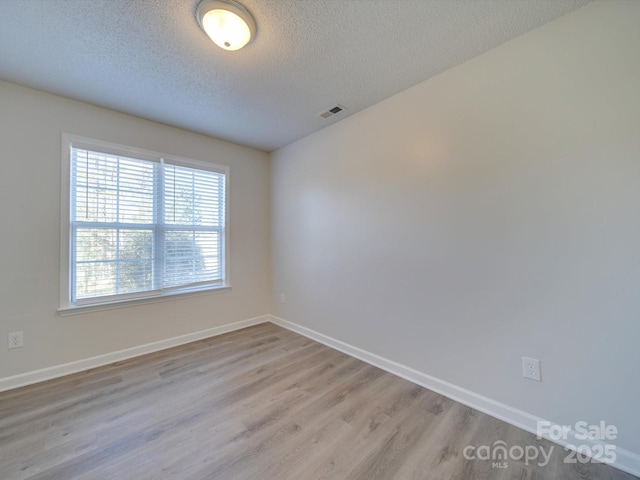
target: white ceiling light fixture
227 23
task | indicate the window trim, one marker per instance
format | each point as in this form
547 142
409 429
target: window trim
66 307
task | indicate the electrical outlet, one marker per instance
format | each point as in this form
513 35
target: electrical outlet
16 339
531 368
283 299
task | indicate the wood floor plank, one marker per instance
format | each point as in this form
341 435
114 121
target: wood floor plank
259 403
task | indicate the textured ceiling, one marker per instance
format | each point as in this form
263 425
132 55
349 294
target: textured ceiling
149 57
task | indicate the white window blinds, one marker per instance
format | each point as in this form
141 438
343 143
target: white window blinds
142 226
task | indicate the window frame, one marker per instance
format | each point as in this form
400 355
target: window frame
67 306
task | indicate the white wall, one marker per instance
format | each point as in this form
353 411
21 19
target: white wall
488 213
31 123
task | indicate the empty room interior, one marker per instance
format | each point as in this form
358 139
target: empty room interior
320 239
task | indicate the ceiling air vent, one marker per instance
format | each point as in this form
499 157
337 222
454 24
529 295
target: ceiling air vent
332 111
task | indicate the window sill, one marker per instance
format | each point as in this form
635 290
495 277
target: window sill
96 307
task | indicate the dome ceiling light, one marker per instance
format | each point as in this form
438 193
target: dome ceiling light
227 23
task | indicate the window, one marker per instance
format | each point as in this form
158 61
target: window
138 224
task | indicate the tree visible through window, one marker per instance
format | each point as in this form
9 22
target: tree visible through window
141 226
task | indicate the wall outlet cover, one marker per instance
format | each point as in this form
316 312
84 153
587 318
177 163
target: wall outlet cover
15 340
531 368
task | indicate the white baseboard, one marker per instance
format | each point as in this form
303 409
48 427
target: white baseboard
626 460
49 373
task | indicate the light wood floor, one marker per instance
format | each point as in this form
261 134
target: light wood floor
261 403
